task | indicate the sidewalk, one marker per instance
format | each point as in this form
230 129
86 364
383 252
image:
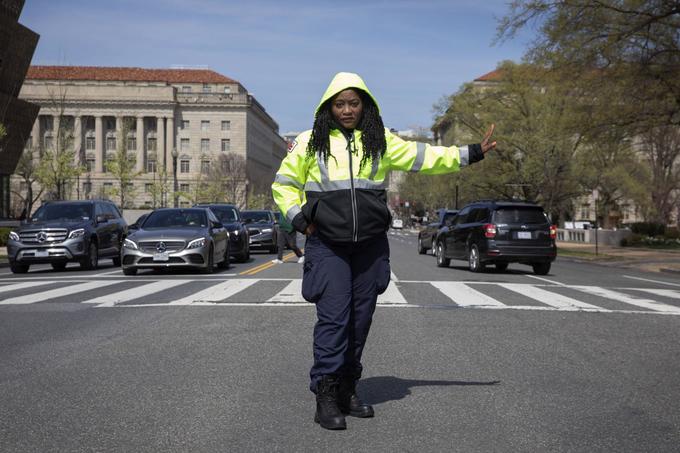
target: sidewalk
644 259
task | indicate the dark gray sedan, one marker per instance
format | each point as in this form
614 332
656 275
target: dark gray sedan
175 238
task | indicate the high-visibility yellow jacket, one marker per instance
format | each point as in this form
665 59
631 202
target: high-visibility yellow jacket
347 203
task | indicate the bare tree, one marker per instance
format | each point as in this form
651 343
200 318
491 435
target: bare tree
122 166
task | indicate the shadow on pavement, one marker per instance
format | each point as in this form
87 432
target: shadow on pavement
380 389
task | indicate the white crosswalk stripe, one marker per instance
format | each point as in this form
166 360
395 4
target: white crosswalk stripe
247 292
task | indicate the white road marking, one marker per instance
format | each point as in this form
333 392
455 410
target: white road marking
291 293
217 292
16 286
59 292
548 297
670 293
392 295
117 271
393 277
625 298
466 296
650 280
546 280
110 300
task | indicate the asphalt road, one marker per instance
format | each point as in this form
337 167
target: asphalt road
584 359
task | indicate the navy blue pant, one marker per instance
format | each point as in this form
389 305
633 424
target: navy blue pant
344 282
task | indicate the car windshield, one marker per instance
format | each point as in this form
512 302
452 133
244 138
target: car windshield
520 215
257 216
226 215
175 218
63 212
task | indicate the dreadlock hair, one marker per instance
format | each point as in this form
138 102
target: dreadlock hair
370 125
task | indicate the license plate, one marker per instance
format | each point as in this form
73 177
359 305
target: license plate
161 256
524 235
41 253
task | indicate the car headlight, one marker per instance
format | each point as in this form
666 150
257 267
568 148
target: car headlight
235 232
80 232
196 243
267 230
13 236
128 244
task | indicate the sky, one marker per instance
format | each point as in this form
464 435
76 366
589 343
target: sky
410 53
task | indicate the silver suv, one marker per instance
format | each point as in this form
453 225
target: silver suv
63 231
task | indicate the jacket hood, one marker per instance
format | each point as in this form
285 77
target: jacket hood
341 82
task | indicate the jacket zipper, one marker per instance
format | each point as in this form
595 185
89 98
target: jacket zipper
355 226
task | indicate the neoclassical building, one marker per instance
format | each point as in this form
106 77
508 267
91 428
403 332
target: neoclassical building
182 117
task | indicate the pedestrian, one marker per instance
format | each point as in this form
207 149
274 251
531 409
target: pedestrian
331 187
287 236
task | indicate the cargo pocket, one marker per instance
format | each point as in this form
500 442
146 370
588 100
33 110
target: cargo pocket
382 280
313 282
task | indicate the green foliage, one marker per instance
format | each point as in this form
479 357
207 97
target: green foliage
122 166
4 235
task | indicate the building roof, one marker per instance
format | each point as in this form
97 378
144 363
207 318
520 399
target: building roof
489 76
119 74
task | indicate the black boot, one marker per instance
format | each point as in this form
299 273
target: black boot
349 402
328 414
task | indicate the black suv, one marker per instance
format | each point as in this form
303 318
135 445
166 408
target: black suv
499 233
230 216
63 231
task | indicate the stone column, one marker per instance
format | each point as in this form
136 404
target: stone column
35 137
160 139
56 124
98 144
139 134
78 139
170 130
119 131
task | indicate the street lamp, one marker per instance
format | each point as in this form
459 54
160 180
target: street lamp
174 176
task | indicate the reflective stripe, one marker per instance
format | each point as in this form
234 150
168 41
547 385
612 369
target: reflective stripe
464 154
286 181
292 212
420 157
313 186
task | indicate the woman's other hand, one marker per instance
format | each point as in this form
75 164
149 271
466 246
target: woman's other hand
486 145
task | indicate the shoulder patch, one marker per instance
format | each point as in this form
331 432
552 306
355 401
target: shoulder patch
292 145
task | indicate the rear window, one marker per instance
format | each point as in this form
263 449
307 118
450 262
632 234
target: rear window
520 215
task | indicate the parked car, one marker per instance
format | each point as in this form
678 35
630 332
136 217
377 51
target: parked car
231 218
428 235
261 225
397 224
499 233
175 238
63 231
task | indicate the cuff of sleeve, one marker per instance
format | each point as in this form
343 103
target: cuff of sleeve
476 153
300 223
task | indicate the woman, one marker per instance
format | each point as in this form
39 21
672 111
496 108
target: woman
331 186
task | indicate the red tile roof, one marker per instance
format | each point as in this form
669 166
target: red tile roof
489 76
126 74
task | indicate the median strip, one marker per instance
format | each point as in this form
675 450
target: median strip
263 266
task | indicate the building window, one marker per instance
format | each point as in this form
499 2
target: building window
110 143
227 90
205 167
87 188
207 88
184 204
148 187
151 144
205 145
205 125
184 144
226 125
186 89
49 142
184 187
132 143
226 144
184 125
89 164
184 166
23 186
29 143
110 123
89 143
108 186
151 166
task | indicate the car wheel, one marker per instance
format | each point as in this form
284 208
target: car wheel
91 261
441 260
501 267
422 250
474 262
58 266
17 268
210 266
541 268
225 262
130 270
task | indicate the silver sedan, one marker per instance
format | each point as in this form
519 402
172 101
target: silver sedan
175 238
